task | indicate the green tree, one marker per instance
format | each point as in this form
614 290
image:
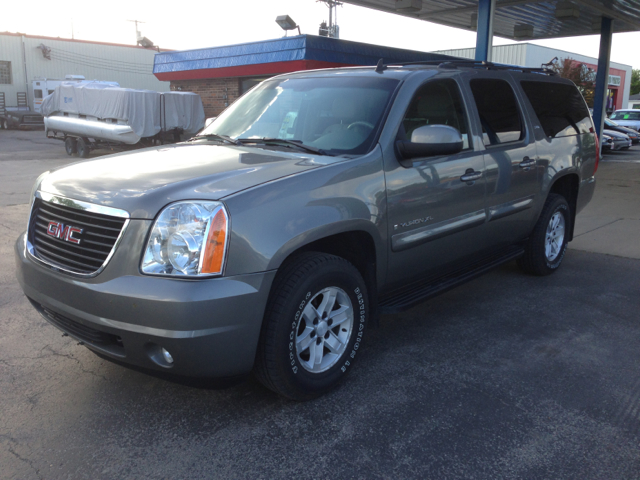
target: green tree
635 82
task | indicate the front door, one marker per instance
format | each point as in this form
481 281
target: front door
433 214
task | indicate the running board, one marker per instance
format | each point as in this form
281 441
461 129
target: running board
415 293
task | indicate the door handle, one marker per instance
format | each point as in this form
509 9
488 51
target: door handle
528 162
470 176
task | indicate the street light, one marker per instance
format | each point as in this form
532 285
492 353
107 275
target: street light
287 23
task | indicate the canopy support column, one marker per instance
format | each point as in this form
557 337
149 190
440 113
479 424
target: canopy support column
602 76
484 33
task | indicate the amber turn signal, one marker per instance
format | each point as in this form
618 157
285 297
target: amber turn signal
215 246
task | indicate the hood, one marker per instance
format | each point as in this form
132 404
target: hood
614 133
143 182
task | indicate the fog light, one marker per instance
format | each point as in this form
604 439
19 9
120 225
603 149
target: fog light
167 356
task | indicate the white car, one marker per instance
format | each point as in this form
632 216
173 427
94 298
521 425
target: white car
627 118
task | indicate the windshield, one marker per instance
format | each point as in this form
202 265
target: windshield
339 115
626 116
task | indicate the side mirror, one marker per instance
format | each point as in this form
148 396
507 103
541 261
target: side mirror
429 141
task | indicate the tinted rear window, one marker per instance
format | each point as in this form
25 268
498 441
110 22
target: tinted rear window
560 108
498 111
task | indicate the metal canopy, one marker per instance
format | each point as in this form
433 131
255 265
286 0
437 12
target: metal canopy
518 19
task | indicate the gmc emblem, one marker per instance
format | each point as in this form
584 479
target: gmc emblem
58 230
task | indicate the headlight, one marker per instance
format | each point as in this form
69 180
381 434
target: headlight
188 239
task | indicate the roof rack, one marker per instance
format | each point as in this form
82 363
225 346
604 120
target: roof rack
462 63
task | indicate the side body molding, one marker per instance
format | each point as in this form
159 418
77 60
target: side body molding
405 240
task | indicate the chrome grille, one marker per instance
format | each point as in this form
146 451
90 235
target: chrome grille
88 251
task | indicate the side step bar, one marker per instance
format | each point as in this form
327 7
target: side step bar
415 293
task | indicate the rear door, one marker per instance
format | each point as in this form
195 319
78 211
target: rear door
510 157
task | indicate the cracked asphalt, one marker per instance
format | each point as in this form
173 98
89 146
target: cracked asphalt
508 376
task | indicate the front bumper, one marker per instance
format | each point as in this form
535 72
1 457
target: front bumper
211 327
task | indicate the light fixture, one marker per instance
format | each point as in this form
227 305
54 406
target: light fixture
473 24
566 11
522 30
408 6
287 23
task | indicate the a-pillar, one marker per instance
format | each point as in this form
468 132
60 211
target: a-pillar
484 35
602 76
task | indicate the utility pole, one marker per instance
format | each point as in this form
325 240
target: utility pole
138 34
332 30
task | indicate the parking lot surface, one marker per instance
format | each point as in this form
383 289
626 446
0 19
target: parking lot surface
509 376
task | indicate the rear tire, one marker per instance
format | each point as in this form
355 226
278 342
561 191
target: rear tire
313 326
82 147
70 145
547 245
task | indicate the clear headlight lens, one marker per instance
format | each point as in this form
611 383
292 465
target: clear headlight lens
188 239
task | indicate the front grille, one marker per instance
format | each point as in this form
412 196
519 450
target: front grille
84 333
97 239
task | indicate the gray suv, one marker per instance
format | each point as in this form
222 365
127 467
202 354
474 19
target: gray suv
316 202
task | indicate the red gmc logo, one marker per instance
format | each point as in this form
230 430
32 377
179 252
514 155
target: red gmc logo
58 230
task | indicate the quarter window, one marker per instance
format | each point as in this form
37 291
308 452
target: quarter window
5 72
560 108
436 103
498 110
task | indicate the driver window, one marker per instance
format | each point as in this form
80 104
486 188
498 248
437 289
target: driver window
436 103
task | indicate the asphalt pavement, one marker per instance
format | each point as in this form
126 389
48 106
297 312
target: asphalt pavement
509 376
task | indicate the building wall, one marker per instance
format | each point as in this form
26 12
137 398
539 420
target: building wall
530 55
216 93
130 66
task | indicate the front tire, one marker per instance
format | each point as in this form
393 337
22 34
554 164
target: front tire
313 326
547 245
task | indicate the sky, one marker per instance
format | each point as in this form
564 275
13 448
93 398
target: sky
202 24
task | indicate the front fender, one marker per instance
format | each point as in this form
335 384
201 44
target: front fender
271 221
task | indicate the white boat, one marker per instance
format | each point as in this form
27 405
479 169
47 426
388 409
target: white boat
91 128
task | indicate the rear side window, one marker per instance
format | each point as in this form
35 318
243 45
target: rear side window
498 110
560 108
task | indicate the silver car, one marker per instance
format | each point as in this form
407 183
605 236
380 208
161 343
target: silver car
316 202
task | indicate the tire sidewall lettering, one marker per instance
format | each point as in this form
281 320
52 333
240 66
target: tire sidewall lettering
558 261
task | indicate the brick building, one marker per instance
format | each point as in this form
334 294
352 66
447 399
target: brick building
221 74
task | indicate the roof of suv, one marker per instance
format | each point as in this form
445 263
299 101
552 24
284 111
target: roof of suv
402 70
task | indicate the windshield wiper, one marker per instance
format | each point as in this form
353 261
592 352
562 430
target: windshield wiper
216 136
284 142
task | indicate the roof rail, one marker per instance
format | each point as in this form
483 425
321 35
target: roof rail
463 63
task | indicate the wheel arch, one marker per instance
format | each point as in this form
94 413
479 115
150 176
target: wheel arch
357 246
568 186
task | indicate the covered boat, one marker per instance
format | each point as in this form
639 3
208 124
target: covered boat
123 115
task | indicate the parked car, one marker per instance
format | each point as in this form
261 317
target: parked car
634 135
607 142
21 119
627 118
314 203
620 141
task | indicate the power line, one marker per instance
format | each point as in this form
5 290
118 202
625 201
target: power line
99 66
91 57
98 62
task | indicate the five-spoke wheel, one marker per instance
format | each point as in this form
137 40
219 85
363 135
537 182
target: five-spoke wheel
547 244
313 325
